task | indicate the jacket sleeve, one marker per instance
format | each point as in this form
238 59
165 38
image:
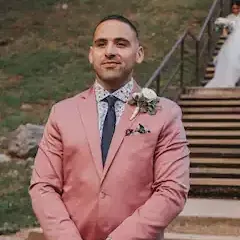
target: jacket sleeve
47 184
170 187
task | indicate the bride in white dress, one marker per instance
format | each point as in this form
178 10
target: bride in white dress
227 63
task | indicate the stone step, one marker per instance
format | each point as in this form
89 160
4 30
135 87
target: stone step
210 97
226 212
218 47
215 150
211 91
211 63
182 236
211 117
215 181
215 142
213 133
208 110
197 222
208 75
212 125
220 42
206 79
209 103
207 217
211 170
210 69
215 161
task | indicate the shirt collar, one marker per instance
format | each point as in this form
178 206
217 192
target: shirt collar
122 93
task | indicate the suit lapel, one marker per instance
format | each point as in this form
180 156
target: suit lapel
88 110
120 133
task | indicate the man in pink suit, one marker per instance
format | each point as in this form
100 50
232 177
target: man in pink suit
104 169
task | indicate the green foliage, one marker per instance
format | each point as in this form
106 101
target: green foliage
28 4
15 206
46 75
34 64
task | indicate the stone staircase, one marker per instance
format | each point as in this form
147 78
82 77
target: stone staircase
212 122
210 69
179 236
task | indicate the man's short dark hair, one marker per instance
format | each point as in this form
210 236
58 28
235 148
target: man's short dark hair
236 2
119 18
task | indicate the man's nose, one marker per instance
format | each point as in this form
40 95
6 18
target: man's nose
110 50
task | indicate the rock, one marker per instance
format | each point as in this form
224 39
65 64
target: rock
30 160
3 142
26 107
30 163
4 158
65 6
13 173
24 140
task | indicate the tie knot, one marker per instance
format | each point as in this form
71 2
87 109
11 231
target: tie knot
110 100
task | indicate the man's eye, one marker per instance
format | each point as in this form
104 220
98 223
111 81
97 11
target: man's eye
100 44
121 44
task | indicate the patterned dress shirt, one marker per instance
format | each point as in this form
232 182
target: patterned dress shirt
122 94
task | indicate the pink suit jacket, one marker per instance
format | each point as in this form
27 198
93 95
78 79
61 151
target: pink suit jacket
141 189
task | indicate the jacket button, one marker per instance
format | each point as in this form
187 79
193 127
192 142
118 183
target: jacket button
102 195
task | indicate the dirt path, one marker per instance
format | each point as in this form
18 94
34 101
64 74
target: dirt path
21 235
195 226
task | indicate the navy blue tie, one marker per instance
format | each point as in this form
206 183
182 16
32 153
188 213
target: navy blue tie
108 126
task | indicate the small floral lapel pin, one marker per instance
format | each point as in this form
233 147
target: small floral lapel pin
145 101
140 129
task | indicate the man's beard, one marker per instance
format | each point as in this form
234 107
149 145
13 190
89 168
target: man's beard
113 75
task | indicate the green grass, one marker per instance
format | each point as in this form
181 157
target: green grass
44 77
15 206
46 61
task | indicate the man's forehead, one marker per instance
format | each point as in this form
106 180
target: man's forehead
113 29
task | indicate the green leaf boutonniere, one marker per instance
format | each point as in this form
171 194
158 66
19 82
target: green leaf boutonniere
140 129
145 101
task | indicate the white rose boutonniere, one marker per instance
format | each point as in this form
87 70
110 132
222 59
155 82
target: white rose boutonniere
145 101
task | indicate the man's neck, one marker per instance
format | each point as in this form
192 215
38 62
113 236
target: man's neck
113 86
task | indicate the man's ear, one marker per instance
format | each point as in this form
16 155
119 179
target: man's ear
90 58
140 54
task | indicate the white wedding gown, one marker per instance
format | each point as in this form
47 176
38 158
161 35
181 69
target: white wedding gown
227 66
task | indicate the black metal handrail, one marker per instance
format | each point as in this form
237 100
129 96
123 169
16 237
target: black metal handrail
217 9
157 73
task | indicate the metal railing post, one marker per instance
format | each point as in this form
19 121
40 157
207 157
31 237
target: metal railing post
221 8
182 64
209 39
197 62
158 84
230 6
